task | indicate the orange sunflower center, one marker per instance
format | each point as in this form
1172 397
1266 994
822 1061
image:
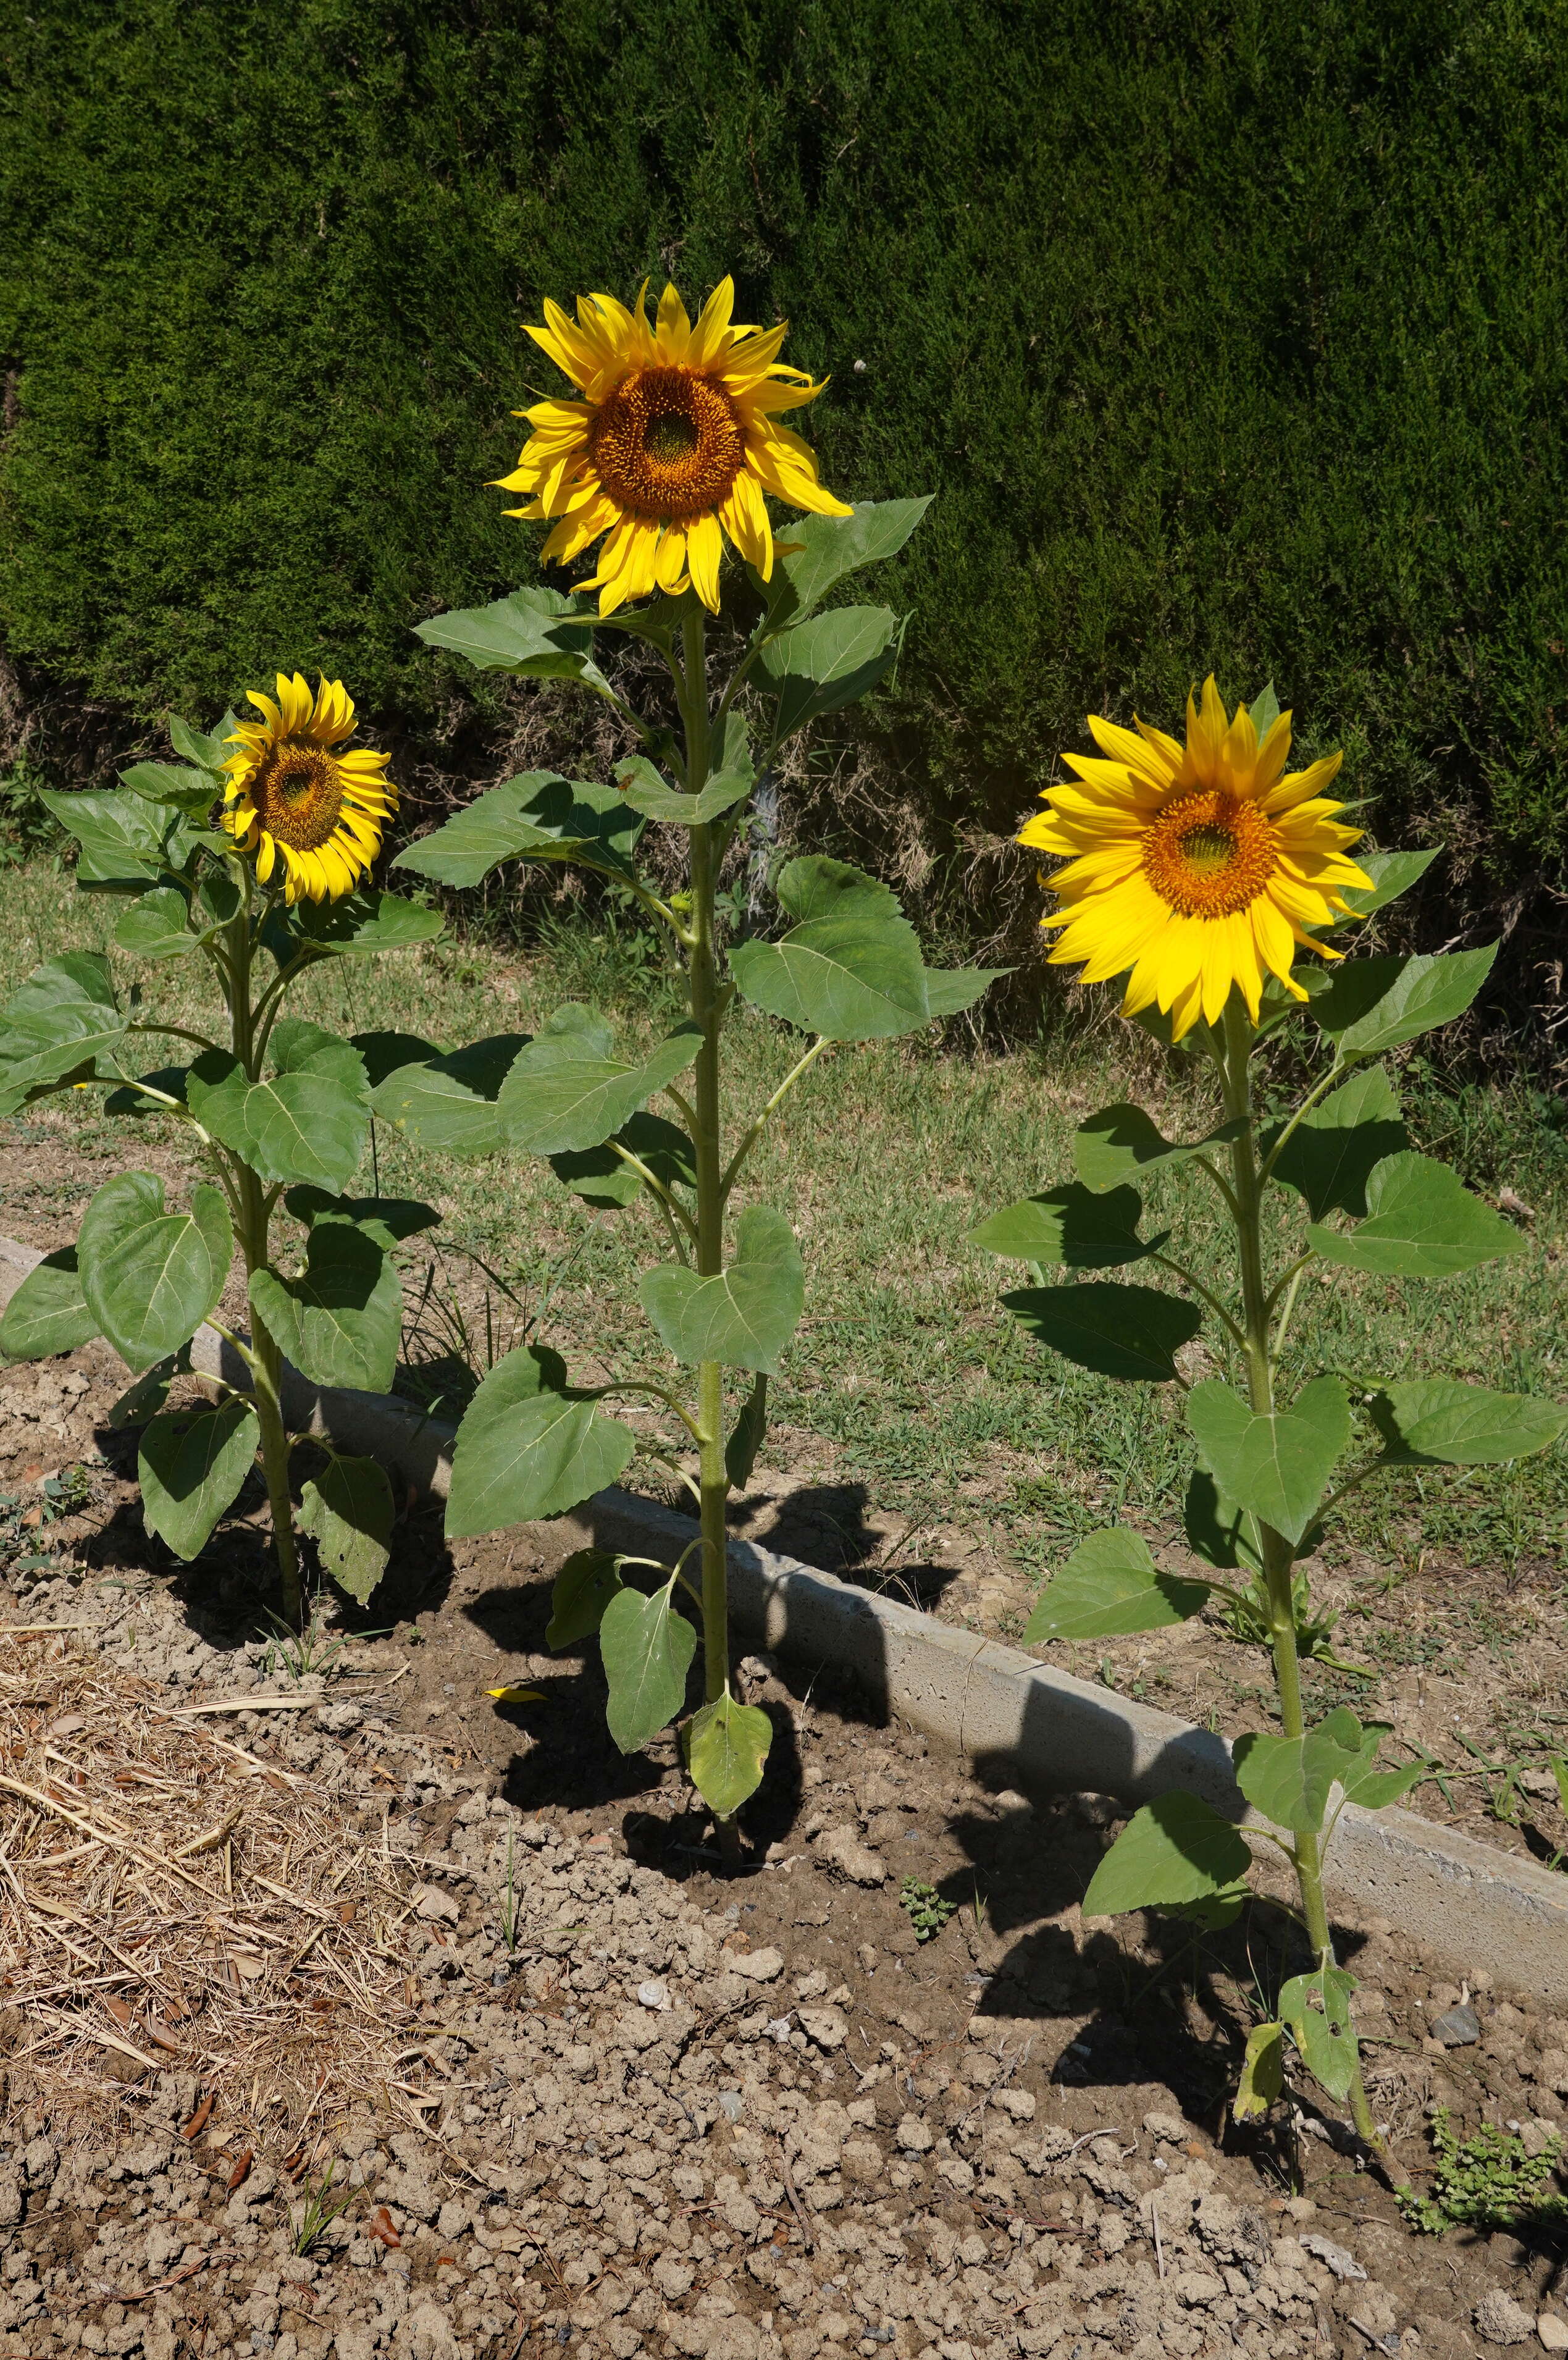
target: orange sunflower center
1207 855
298 792
668 444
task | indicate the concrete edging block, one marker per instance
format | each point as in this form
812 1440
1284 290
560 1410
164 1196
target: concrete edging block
1021 1723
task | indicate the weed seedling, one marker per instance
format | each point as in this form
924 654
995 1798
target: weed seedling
1486 2181
928 1911
309 2223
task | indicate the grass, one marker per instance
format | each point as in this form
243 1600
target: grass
906 1377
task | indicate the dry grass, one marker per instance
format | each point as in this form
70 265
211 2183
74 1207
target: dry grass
169 1902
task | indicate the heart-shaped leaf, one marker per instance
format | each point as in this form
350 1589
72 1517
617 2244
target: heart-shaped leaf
566 1091
387 1220
47 1314
363 925
527 1448
348 1512
583 1587
1277 1466
1372 1005
1289 1778
827 549
725 1746
1218 1531
1437 1421
58 1023
648 1650
1316 2007
745 1316
1422 1222
448 1104
850 970
1069 1225
1121 1141
341 1321
535 633
307 1121
158 926
603 1178
540 816
192 1466
647 793
1132 1332
1108 1586
1335 1147
1176 1849
127 841
149 1277
832 661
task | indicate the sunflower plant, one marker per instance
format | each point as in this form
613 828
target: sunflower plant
667 453
1197 873
248 857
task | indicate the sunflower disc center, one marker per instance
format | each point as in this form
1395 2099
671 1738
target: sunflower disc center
1207 855
298 793
668 444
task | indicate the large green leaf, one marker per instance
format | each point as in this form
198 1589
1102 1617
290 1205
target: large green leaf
567 1091
1219 1532
603 1178
1392 873
527 1448
743 1317
827 549
725 1745
539 816
825 663
1176 1849
1110 1586
583 1587
1275 1466
47 1314
648 1650
190 1466
1437 1421
1334 1148
126 840
348 1512
341 1320
149 1277
63 1019
851 968
363 925
1133 1332
191 792
149 1393
647 793
1316 2007
1422 1222
449 1104
158 926
1375 1004
1069 1225
1289 1778
951 990
208 753
307 1121
1121 1141
535 633
1374 1790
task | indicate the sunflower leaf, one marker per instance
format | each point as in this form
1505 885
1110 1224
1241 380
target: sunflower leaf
850 968
126 841
63 1019
826 549
307 1121
725 1745
192 792
341 1320
566 1091
646 1649
47 1314
534 633
348 1512
191 1466
1439 1421
1121 1141
1422 1222
527 1448
647 793
1109 1586
1175 1851
1275 1466
744 1316
158 926
537 816
818 666
1337 1144
448 1104
363 924
150 1276
1392 873
603 1178
1069 1225
1372 1005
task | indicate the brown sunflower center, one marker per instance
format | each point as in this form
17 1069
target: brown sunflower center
298 792
668 444
1207 855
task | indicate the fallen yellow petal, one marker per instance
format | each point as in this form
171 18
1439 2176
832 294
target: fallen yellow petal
517 1696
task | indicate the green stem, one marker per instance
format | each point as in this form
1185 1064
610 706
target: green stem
706 1138
255 1205
1247 1183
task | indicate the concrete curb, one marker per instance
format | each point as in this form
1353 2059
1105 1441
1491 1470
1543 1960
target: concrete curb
1022 1724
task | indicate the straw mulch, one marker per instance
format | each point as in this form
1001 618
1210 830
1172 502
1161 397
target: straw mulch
169 1902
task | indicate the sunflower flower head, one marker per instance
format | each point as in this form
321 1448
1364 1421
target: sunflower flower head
671 447
1193 869
296 801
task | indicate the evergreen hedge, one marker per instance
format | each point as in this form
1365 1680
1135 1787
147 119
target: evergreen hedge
1231 334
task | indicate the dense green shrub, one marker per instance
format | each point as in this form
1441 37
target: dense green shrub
1231 333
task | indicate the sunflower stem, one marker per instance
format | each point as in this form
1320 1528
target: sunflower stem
1247 1183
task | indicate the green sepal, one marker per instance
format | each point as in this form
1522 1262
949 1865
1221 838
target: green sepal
725 1747
539 816
47 1314
1439 1421
1422 1222
583 1587
446 1103
1130 1332
1070 1226
566 1090
747 1437
646 1649
191 1466
745 1316
1111 1586
149 1277
1262 2073
348 1511
1121 1141
1316 2009
1175 1851
527 1447
1277 1465
341 1321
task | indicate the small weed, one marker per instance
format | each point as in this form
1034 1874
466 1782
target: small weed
509 1903
1486 2181
310 2221
299 1653
929 1912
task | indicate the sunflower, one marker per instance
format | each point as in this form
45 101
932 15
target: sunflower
1194 867
293 798
671 447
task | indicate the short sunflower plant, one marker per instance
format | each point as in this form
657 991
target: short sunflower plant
240 866
1197 874
667 453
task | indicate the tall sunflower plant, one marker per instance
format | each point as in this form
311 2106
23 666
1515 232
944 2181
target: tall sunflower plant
666 453
247 857
1197 874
